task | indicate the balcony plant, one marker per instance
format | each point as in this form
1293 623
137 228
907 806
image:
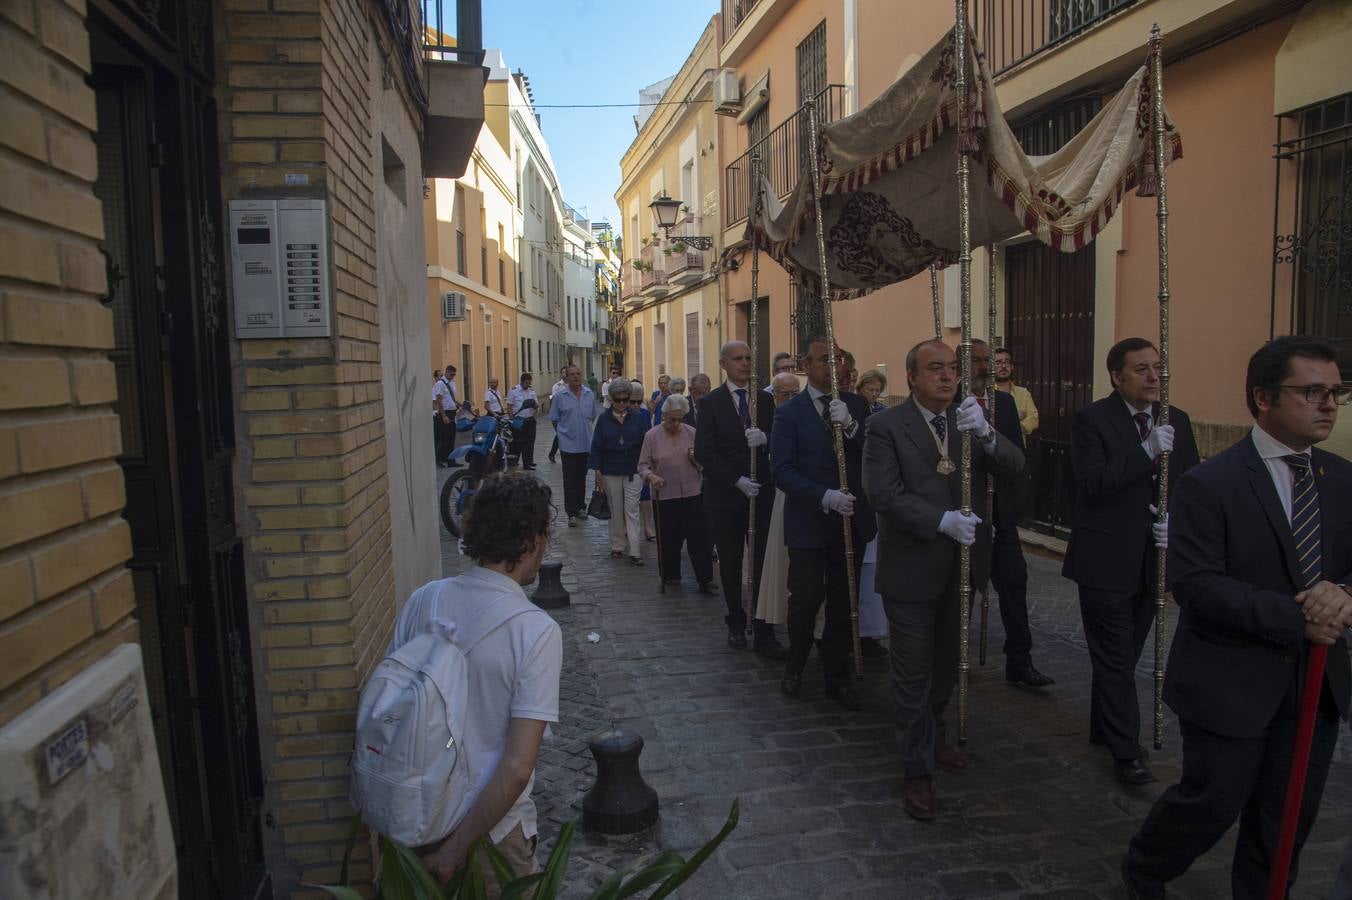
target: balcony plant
403 876
641 266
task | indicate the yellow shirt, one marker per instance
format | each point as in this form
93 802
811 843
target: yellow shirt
1023 402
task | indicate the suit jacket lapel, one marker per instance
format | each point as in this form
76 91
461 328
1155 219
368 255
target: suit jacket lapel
1261 481
919 433
1123 421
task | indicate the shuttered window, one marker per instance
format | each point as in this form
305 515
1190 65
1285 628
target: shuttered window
691 344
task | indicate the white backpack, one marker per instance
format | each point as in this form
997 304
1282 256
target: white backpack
412 777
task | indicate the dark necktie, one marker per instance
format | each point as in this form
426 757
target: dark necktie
1143 424
940 426
1305 527
742 410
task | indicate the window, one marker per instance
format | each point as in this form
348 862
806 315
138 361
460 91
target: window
758 126
488 365
506 369
691 344
466 373
638 352
524 355
1313 254
502 262
459 214
812 64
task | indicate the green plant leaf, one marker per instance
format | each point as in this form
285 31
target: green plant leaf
502 869
341 891
701 856
664 866
557 865
403 875
353 832
522 886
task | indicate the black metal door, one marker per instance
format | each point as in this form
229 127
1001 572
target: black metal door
1049 321
159 185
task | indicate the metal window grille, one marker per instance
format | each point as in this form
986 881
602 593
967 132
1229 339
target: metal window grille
638 353
812 64
1312 247
1048 130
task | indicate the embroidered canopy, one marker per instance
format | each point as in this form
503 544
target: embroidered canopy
889 183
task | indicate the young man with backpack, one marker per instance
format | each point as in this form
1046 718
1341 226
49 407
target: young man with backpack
450 724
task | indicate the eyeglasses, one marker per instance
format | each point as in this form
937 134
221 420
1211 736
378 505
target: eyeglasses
1318 394
619 399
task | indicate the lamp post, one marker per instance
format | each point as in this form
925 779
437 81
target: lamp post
665 212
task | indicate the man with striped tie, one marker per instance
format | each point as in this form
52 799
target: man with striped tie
1260 553
1116 444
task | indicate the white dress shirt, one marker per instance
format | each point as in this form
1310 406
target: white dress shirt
1271 451
520 395
817 404
493 402
1150 426
929 415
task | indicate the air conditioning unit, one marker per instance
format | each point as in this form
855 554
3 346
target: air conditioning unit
727 93
453 306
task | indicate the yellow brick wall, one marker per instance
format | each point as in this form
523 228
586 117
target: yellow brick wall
311 461
65 597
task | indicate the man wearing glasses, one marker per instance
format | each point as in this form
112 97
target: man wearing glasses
1260 555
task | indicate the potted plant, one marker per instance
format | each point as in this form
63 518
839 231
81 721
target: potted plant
403 876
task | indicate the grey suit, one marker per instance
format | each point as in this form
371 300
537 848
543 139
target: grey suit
917 570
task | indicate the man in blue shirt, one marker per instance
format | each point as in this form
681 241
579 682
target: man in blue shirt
572 412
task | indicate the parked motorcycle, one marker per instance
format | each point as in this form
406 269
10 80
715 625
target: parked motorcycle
486 452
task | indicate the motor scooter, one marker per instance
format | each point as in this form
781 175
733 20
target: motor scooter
486 452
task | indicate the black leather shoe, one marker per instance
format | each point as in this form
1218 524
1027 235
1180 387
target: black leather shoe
1028 677
736 640
845 695
1136 891
770 647
791 685
1133 772
1141 752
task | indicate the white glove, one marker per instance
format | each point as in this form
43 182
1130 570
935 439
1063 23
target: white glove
839 413
1160 440
961 528
756 438
838 501
971 417
1160 531
747 486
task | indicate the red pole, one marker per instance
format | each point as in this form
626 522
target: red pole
1295 779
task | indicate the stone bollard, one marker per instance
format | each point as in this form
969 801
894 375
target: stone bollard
551 593
621 803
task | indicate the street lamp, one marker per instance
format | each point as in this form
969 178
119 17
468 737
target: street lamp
665 210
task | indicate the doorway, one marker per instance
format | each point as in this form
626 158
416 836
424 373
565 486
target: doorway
158 183
1049 323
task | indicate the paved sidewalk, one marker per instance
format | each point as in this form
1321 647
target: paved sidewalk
1038 814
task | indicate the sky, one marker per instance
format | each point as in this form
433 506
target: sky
592 51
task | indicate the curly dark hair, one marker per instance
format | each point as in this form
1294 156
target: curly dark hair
506 513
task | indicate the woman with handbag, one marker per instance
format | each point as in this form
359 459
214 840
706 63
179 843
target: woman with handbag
667 464
616 444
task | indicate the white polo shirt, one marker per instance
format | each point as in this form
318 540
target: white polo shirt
513 671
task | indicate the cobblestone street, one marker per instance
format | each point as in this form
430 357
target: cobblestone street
1037 814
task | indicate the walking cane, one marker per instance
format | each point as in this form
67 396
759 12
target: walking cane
657 532
1295 779
837 431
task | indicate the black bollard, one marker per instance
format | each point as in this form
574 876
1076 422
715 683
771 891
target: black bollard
551 593
621 803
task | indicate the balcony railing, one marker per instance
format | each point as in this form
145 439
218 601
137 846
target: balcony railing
689 262
734 11
653 278
1013 31
783 152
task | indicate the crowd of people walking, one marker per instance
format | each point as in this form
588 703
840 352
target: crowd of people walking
724 471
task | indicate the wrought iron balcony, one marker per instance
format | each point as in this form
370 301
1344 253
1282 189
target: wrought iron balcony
684 264
783 155
734 11
1013 31
652 279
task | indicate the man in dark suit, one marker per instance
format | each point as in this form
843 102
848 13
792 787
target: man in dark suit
1115 448
724 437
1003 559
912 479
806 470
1260 553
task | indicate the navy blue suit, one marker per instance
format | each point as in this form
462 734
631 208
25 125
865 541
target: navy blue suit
1235 668
803 462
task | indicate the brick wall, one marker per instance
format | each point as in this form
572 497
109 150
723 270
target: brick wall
311 465
65 597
